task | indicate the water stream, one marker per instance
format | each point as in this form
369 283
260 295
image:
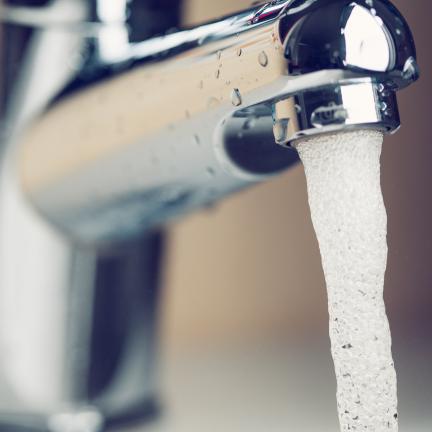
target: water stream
350 221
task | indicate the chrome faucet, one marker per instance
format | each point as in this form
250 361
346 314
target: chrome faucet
109 131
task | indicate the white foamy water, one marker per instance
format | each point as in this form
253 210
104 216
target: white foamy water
350 221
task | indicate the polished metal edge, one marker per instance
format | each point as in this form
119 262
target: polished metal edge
356 104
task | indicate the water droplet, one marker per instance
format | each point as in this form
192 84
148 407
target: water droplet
228 83
263 59
197 140
280 130
217 74
370 3
239 52
398 31
236 98
373 12
210 171
411 70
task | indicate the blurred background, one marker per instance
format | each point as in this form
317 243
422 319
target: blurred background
245 341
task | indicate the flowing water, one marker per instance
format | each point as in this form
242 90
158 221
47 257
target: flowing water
350 221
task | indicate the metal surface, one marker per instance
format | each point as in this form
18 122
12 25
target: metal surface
128 115
110 131
330 108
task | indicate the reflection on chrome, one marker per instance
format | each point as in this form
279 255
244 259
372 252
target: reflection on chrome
368 44
362 101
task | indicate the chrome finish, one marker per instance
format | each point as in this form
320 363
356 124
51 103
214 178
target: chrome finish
109 133
360 36
127 161
349 105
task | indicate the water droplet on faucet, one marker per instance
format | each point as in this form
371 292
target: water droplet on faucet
263 59
280 130
236 98
197 140
210 171
411 70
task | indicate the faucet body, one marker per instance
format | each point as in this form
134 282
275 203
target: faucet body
110 131
117 149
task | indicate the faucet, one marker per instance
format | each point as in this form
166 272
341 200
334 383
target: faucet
114 122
